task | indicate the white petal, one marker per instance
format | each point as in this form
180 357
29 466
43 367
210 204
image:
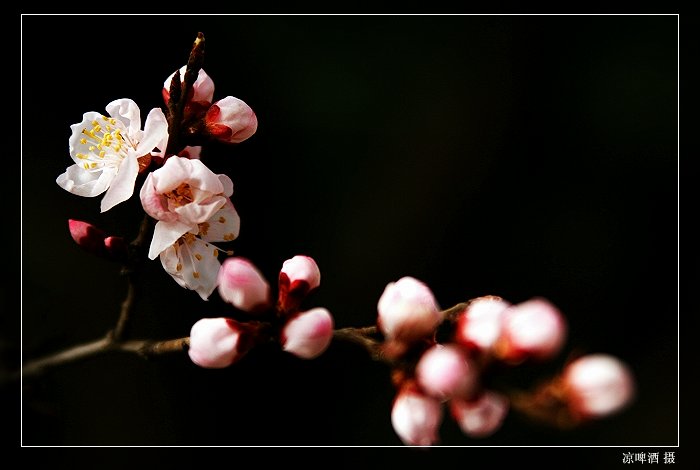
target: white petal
227 184
194 265
164 235
126 111
122 186
87 183
155 133
196 213
223 226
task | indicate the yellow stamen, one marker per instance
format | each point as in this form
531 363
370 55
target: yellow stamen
198 256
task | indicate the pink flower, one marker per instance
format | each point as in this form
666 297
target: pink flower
216 342
408 311
231 120
415 417
481 417
532 329
444 372
299 276
181 195
598 385
107 151
202 90
479 326
308 334
243 286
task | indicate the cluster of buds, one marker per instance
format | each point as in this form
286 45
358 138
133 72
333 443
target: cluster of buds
429 374
219 342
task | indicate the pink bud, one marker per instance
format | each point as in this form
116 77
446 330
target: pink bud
242 285
299 276
481 417
215 343
308 334
479 326
416 418
202 89
445 372
231 120
598 385
95 241
532 329
407 311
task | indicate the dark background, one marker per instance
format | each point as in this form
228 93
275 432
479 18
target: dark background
518 156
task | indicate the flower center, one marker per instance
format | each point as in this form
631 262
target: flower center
180 196
103 144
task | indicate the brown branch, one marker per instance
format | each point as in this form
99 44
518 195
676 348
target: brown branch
144 348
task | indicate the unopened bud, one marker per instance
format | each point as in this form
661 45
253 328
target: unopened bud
231 120
299 276
408 311
243 286
533 329
217 342
597 385
308 334
480 417
445 372
416 418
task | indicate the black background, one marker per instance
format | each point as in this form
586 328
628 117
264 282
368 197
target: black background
518 156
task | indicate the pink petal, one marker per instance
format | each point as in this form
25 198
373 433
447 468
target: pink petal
243 286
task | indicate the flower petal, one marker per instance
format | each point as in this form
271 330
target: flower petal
194 214
164 235
87 183
127 111
223 226
122 186
177 170
155 133
193 264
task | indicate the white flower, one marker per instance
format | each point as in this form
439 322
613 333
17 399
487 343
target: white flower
106 151
193 261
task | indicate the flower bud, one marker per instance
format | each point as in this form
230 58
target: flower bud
202 89
242 285
407 311
299 276
95 240
533 329
597 385
415 417
216 342
231 120
481 417
308 334
479 326
445 372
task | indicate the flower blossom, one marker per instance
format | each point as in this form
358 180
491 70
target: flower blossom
109 151
415 417
193 210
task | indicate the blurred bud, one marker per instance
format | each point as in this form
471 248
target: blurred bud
217 342
480 417
533 329
299 276
445 372
308 334
231 120
407 311
415 417
479 326
242 285
191 152
95 240
202 89
597 385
